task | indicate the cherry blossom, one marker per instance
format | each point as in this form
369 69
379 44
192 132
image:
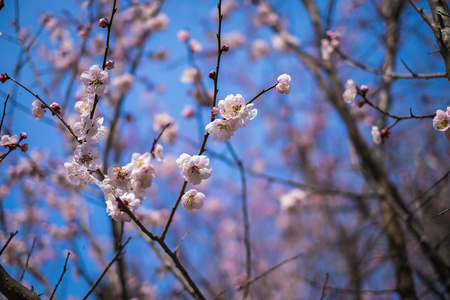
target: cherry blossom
221 130
84 107
376 135
88 156
234 108
350 92
7 141
117 211
95 79
120 177
290 202
78 174
192 199
38 111
441 121
194 168
283 86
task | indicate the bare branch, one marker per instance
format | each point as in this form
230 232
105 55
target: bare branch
65 268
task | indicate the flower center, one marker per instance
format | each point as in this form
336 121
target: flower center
121 174
195 169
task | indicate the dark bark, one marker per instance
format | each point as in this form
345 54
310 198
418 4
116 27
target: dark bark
14 290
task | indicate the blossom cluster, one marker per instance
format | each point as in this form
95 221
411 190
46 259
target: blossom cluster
236 114
441 121
330 44
12 142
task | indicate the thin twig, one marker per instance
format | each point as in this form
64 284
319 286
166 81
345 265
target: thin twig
4 113
114 9
28 259
155 141
364 67
174 209
422 14
324 287
180 242
11 235
47 106
99 279
441 213
65 268
262 92
274 268
411 115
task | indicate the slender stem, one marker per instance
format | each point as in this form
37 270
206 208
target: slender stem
28 260
11 235
4 113
172 213
99 279
47 106
65 268
262 92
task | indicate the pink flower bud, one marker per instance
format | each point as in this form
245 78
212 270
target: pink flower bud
214 110
56 108
109 64
364 89
103 22
183 35
188 112
23 136
225 48
239 287
212 74
23 147
3 77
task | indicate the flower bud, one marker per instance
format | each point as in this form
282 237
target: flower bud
364 89
23 147
55 106
3 77
212 74
103 22
109 64
225 48
214 110
23 136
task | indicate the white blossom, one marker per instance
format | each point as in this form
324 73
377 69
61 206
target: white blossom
376 135
194 168
350 92
283 86
95 79
441 121
88 156
117 211
7 141
78 174
38 111
221 130
192 199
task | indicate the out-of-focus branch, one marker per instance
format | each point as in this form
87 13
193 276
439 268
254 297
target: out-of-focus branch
28 260
248 252
441 29
421 13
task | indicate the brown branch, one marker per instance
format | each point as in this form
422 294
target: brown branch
28 260
12 289
11 235
61 277
99 279
4 113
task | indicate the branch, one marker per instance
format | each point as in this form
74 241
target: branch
99 279
11 235
60 278
12 289
4 113
28 259
422 14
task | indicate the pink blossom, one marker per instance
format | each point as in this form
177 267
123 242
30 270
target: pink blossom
117 212
7 141
123 82
157 152
350 92
55 106
38 111
23 147
96 131
441 121
77 173
120 177
183 35
283 86
192 199
195 45
194 168
376 135
189 75
85 106
290 202
259 49
103 22
188 112
221 130
88 156
95 79
234 108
